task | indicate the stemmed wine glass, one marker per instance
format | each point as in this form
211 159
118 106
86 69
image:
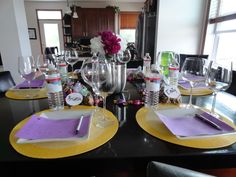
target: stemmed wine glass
88 71
193 71
104 81
27 69
218 78
42 63
71 57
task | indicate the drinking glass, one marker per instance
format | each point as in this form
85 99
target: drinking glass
218 78
71 57
42 64
88 71
104 81
123 57
27 69
193 71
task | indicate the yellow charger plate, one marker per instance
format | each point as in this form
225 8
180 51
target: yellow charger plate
149 122
196 91
23 94
48 150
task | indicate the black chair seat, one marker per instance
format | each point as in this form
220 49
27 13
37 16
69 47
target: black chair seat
6 82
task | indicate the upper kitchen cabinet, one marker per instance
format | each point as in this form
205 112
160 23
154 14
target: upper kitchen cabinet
91 21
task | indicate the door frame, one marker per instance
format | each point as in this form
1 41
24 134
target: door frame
40 38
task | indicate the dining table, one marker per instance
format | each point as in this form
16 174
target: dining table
130 149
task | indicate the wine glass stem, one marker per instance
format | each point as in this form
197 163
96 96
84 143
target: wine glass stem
72 69
191 95
29 86
213 102
104 102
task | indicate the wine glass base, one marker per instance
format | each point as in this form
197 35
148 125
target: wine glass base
101 120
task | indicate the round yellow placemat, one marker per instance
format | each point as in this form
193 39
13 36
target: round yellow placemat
48 150
22 94
149 122
196 91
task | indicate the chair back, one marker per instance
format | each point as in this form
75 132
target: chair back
157 169
49 52
184 56
6 82
232 87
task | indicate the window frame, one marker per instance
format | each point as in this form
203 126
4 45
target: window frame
216 21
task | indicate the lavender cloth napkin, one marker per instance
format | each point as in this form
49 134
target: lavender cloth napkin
43 128
34 84
186 84
192 126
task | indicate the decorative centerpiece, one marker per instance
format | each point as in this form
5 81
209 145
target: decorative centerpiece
107 43
112 48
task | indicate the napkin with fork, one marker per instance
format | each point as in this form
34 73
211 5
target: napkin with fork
45 129
189 125
33 84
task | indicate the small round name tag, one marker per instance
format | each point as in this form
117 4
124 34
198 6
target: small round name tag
74 99
172 92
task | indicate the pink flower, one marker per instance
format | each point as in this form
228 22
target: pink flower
111 42
107 43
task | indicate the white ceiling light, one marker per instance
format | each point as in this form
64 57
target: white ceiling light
75 15
68 10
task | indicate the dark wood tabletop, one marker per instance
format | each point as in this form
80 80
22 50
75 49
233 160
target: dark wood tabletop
131 148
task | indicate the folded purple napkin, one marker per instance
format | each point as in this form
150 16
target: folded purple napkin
192 126
186 84
43 128
33 84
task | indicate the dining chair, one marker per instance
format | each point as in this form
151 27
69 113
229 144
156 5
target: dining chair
6 82
184 56
158 169
49 52
232 87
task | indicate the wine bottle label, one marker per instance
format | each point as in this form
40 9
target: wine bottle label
62 69
153 85
54 85
173 72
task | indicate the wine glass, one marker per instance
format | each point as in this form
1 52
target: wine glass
193 71
71 57
88 71
42 64
218 78
124 57
104 81
27 69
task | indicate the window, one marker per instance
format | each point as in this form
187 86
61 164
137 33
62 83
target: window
46 14
128 22
221 31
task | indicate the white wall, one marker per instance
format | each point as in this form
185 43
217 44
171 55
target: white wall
14 35
180 25
31 7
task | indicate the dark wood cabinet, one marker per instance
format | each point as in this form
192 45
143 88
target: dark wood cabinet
91 21
67 31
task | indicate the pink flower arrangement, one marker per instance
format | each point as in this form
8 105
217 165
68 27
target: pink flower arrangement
107 43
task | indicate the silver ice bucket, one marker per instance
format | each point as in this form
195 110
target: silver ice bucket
119 70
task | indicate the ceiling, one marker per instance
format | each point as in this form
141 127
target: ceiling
88 0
